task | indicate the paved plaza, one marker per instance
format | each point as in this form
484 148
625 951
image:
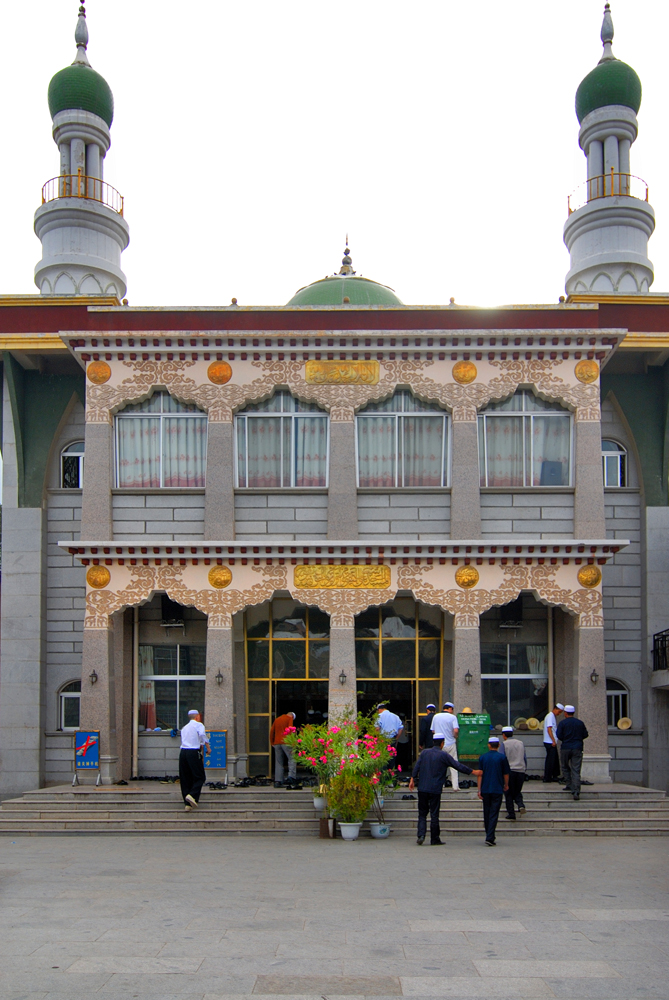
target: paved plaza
204 918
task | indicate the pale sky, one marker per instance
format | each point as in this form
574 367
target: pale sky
249 137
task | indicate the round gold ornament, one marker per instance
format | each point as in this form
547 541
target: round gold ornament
587 371
589 576
219 372
220 577
466 577
464 372
98 577
98 372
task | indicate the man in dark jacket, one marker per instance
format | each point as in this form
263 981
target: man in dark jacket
425 741
493 783
430 770
571 732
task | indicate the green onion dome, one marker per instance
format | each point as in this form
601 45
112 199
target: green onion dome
79 87
345 288
611 82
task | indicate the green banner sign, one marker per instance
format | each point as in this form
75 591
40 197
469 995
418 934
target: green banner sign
473 736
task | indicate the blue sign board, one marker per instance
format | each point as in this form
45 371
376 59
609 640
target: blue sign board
87 750
217 739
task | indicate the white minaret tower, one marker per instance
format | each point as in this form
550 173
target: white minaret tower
610 220
81 222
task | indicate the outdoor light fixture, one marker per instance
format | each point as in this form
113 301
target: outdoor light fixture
219 678
594 676
342 678
468 677
93 677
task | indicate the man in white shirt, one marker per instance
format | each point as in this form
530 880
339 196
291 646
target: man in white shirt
191 765
552 765
389 724
445 723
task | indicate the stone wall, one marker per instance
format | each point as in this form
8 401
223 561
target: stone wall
404 514
165 515
283 516
527 514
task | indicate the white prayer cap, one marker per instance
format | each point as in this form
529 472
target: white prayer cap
438 736
569 708
430 705
561 707
193 711
507 729
449 704
493 739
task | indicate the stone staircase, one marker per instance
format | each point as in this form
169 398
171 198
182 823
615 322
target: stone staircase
148 807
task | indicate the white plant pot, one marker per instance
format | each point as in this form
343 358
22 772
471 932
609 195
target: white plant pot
319 803
379 830
349 831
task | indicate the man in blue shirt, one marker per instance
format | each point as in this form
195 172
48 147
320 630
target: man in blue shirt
493 783
430 770
571 732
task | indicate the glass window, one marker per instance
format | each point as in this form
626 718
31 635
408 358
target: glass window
72 466
161 443
70 705
617 701
171 681
614 464
406 649
402 441
514 681
525 441
281 443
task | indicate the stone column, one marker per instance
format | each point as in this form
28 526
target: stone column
343 488
96 497
219 697
588 480
342 697
591 701
466 658
98 701
219 498
465 475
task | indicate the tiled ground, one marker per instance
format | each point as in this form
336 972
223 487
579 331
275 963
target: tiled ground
212 917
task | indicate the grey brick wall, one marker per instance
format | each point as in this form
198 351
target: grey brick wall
404 515
281 516
65 598
626 749
527 515
173 517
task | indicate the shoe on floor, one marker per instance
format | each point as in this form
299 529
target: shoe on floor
510 817
434 843
419 841
522 810
567 789
490 843
577 796
187 809
191 801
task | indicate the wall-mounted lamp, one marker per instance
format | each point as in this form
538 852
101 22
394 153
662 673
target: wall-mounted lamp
342 678
219 678
594 676
93 677
468 678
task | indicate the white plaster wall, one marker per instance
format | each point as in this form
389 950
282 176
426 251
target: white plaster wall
282 516
404 514
527 514
165 516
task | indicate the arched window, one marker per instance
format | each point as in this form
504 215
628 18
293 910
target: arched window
282 442
69 703
617 701
402 442
72 466
525 441
614 464
161 443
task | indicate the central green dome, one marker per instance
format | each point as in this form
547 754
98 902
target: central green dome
345 288
611 82
79 87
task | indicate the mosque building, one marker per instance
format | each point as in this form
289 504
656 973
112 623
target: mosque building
320 505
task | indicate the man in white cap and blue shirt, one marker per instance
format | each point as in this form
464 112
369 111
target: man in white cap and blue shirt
191 764
445 723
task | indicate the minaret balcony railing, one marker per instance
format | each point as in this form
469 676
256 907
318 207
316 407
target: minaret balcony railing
81 186
607 186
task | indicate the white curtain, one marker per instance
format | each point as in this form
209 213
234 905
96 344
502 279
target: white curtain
504 443
376 451
550 451
311 451
422 444
147 689
138 456
537 661
184 451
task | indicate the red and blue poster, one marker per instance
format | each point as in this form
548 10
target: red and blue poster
87 750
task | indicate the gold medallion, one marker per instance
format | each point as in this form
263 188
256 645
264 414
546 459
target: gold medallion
98 372
219 372
587 371
466 577
464 372
220 577
589 576
98 577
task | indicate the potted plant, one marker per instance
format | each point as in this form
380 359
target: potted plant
350 795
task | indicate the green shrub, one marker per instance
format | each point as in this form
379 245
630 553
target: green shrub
350 795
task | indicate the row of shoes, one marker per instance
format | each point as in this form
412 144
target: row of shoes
218 785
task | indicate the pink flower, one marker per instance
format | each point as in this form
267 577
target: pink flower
399 767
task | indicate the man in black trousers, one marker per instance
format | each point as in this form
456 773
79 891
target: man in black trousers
191 764
425 741
430 770
571 732
493 783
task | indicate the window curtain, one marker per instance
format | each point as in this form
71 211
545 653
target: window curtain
550 451
265 437
147 689
376 451
504 442
138 457
311 449
537 661
184 451
422 441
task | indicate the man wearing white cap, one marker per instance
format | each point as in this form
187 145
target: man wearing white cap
571 732
514 751
445 723
552 764
191 766
430 771
425 740
493 783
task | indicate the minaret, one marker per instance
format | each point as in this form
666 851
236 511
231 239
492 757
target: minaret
610 220
80 223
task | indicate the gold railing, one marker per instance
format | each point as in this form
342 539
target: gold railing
607 186
81 186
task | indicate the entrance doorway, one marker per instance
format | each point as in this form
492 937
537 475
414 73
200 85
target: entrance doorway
401 699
